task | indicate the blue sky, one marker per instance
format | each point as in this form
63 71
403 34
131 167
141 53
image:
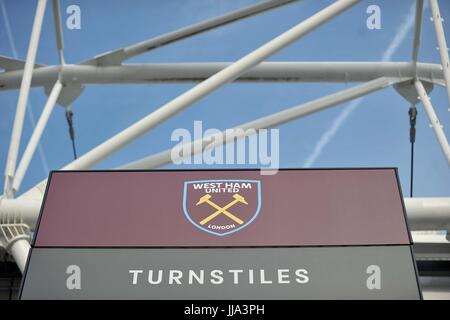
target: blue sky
374 134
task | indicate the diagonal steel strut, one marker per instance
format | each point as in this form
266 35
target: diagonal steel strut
209 85
23 98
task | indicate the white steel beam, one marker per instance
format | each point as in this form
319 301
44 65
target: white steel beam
36 136
442 44
428 213
437 127
423 213
417 31
58 30
277 119
206 87
23 210
19 249
122 54
310 71
164 157
23 98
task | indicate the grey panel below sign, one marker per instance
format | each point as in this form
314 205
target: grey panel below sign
222 273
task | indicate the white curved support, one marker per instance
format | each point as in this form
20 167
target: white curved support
417 31
288 71
442 43
119 55
19 249
20 210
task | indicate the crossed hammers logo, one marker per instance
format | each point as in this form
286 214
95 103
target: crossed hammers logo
206 199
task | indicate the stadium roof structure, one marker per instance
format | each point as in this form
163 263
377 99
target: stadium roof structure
63 83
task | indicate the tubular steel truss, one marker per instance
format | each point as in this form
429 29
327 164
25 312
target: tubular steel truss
65 82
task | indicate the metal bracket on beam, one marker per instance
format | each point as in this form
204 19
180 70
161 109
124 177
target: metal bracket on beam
15 235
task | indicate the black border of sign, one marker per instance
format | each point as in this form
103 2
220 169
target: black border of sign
395 169
25 272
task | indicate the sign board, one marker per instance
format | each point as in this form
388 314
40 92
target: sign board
222 234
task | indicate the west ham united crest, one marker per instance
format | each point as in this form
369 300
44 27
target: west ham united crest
221 207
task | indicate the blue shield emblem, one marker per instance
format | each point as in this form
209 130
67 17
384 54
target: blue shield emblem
221 207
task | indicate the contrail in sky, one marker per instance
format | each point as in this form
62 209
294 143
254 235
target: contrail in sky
329 134
30 114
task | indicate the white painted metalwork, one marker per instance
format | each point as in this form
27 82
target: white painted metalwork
58 30
19 250
36 136
204 88
428 213
119 55
20 210
18 215
423 213
417 30
270 121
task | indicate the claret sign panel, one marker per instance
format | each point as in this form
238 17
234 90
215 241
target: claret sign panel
222 208
222 234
